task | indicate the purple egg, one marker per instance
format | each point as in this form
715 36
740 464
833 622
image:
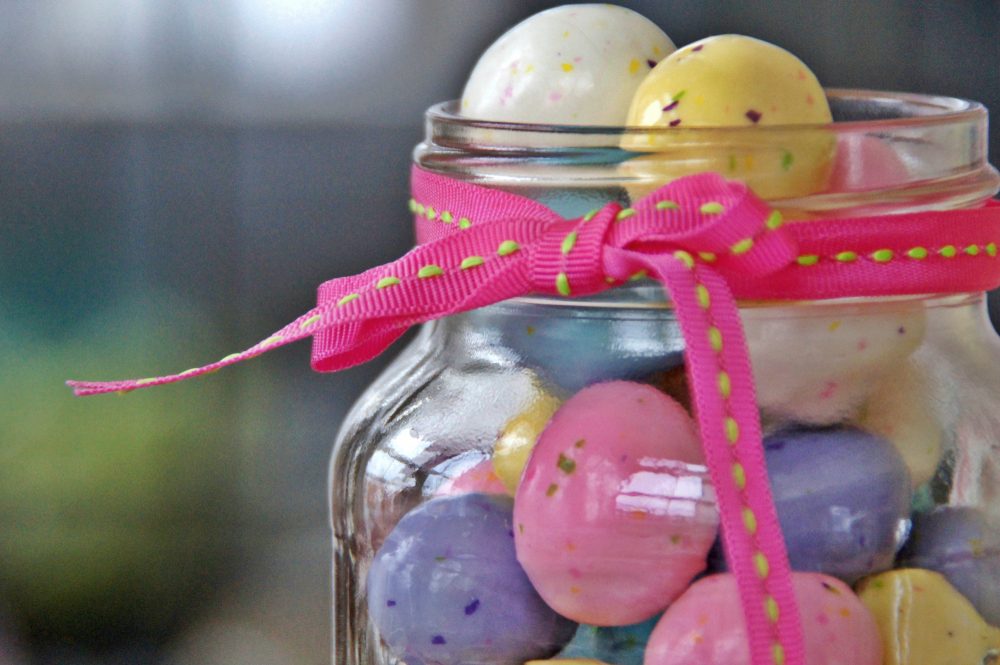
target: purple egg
964 546
843 499
445 588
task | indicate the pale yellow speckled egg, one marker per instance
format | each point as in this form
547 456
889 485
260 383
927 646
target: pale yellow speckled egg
755 94
519 435
923 620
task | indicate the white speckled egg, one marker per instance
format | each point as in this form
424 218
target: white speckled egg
817 365
569 65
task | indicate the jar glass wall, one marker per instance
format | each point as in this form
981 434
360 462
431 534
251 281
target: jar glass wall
880 415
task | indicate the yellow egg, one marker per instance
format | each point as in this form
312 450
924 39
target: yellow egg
751 94
512 449
900 410
923 620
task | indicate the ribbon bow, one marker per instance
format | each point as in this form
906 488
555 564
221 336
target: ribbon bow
705 239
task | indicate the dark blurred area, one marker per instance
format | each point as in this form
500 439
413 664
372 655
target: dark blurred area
176 177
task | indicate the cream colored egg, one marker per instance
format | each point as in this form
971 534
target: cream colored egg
569 65
818 364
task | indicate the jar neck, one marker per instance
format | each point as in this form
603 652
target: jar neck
639 320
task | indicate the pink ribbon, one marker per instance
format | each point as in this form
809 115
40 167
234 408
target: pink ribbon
708 241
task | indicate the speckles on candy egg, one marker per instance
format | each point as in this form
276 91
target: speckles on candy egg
575 64
705 626
615 510
446 589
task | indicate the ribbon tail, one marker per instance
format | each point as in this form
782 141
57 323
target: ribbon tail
358 317
723 391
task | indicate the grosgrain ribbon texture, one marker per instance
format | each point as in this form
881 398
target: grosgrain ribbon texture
709 242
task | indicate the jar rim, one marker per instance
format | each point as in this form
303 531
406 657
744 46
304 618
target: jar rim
911 109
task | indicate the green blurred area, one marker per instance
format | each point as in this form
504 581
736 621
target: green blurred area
115 512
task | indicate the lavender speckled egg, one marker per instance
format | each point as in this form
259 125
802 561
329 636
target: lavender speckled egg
570 65
843 499
446 589
615 645
705 626
962 544
615 512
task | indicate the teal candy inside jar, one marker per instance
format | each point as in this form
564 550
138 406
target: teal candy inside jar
913 373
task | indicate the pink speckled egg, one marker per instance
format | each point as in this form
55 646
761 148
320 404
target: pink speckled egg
705 626
615 512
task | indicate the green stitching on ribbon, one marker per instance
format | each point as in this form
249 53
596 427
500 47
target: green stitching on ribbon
430 270
569 242
562 284
386 282
507 247
310 321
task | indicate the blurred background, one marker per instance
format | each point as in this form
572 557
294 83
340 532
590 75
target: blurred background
176 177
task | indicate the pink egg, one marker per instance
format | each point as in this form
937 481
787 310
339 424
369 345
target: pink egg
480 478
615 512
866 163
705 626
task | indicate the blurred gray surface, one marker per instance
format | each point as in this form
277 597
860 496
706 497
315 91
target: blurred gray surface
232 155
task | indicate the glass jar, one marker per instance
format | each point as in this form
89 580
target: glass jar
880 418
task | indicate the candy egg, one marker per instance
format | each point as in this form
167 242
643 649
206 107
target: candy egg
479 478
924 621
576 351
511 451
900 410
865 163
705 626
731 81
569 65
843 499
616 645
817 365
964 546
445 588
615 512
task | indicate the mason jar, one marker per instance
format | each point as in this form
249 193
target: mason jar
524 481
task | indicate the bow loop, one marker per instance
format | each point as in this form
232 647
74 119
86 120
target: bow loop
720 222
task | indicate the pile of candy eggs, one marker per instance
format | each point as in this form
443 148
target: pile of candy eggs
588 535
